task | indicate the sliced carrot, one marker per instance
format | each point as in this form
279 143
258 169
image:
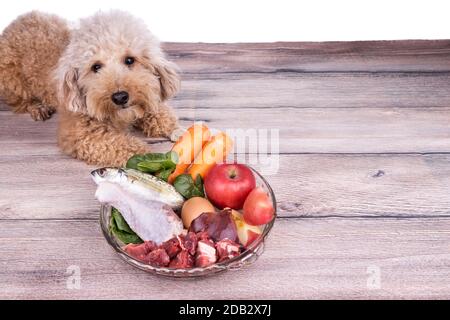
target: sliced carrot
214 151
188 146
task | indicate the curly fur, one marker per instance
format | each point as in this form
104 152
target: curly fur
46 66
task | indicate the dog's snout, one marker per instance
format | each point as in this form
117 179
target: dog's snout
120 98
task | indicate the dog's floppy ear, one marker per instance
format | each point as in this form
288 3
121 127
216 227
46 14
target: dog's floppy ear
167 73
69 91
168 77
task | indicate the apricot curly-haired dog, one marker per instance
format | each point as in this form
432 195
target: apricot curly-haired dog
102 77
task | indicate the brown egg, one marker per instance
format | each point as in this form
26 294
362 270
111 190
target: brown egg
194 207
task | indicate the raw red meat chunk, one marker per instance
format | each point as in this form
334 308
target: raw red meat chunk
140 251
227 249
203 235
189 242
172 247
183 260
158 258
206 253
185 251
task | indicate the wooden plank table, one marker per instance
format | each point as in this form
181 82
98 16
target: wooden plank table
363 187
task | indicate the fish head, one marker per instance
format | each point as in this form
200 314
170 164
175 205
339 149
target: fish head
106 174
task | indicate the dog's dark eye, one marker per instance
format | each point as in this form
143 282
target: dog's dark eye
129 61
96 67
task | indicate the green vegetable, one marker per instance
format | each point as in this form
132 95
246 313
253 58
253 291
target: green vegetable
170 156
164 174
189 188
121 224
158 164
150 167
120 228
132 163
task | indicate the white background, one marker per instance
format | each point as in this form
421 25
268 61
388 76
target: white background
260 21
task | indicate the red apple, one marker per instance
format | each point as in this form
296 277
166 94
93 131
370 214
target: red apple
228 185
258 208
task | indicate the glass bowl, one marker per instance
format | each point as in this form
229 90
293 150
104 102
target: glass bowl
247 257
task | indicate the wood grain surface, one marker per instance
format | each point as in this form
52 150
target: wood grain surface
307 185
354 57
304 258
363 185
311 130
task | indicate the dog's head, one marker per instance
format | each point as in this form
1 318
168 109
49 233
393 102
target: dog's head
113 69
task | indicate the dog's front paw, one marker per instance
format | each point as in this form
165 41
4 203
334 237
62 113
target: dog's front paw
166 128
160 125
40 113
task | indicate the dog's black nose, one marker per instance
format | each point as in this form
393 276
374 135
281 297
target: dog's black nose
120 98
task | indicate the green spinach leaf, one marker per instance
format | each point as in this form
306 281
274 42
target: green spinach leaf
132 163
164 174
120 228
186 186
158 164
150 167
